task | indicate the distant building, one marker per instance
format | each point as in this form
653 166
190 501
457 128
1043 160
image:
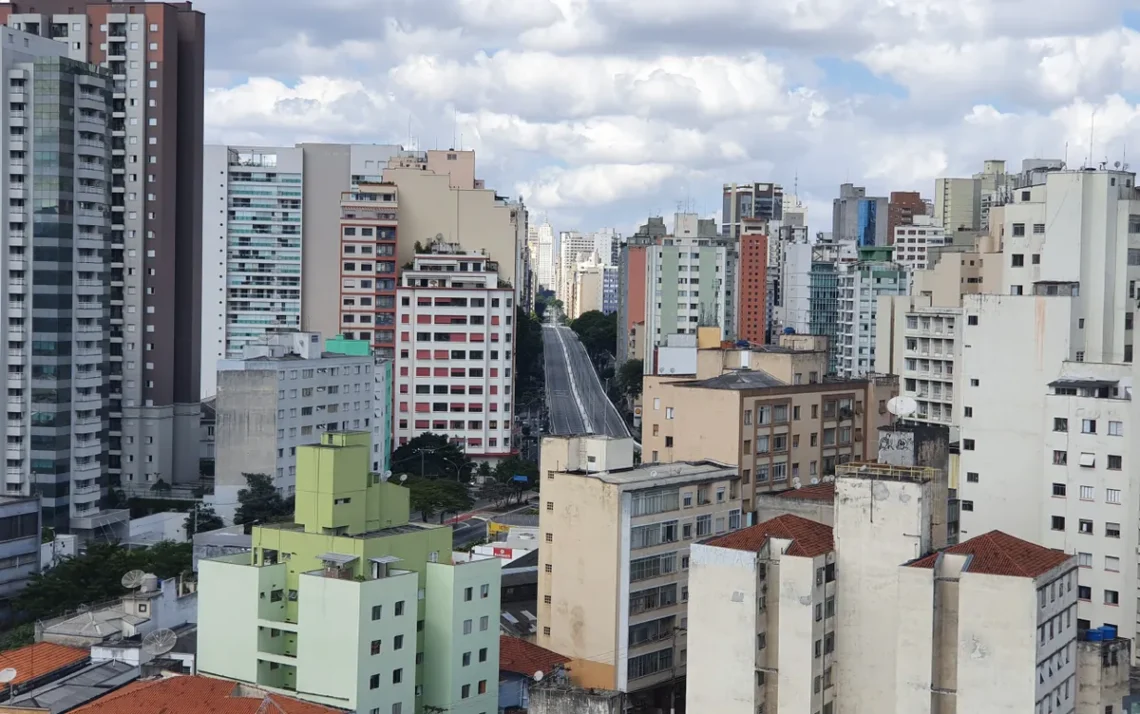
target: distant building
21 531
902 209
860 218
151 605
958 204
860 285
522 664
174 694
425 631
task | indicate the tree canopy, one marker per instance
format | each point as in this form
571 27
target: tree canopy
206 519
597 331
503 486
438 496
95 576
432 456
630 377
260 502
528 357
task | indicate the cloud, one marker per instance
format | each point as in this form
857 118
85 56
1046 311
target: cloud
602 111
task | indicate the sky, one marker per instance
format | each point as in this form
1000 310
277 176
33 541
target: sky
600 113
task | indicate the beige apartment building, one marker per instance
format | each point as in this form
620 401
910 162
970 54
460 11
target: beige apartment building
614 560
770 411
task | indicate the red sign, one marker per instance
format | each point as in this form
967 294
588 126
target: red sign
503 552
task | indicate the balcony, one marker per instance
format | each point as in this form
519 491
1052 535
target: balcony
100 518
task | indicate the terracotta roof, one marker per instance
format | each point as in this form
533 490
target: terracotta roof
33 661
997 553
193 694
815 492
521 657
809 539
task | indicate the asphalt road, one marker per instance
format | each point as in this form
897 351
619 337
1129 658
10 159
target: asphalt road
467 532
576 400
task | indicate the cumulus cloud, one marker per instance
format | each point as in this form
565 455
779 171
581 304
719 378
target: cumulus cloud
602 111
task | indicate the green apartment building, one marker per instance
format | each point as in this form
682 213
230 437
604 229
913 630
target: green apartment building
352 605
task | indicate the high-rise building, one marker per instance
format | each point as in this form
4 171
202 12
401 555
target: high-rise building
914 242
573 248
861 284
252 250
154 53
753 309
595 288
958 204
859 218
759 201
453 369
629 594
545 258
922 343
55 249
901 210
369 232
350 604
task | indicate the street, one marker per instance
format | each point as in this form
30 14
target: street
577 401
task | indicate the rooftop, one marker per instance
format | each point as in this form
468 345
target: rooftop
75 689
997 553
809 539
378 533
814 492
34 661
192 694
739 379
676 473
521 657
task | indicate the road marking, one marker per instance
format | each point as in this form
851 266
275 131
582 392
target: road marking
573 386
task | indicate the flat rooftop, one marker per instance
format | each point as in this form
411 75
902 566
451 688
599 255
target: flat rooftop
653 475
378 533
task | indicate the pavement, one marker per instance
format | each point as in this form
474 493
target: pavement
466 528
577 402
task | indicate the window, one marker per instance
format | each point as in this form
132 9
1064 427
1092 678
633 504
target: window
399 608
1084 560
967 506
1111 530
971 477
1088 426
968 444
483 622
1059 489
1018 229
398 642
485 590
482 686
1112 495
466 659
1085 526
1112 563
1058 523
1087 493
1111 597
1018 259
972 320
1060 458
1116 428
468 593
375 647
465 691
467 627
969 411
1115 463
1060 424
376 611
1084 592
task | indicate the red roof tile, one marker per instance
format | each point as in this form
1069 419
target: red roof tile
809 539
522 657
33 661
815 492
192 694
997 553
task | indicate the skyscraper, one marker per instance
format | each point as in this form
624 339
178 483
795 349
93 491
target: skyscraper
154 53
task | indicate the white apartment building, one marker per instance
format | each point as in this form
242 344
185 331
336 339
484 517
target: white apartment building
861 284
57 282
455 352
685 288
544 260
614 564
913 241
368 229
796 284
595 287
923 346
792 616
283 393
252 249
761 621
573 248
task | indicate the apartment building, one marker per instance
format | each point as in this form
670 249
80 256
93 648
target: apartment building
762 619
757 200
368 273
769 410
57 270
914 240
922 344
252 250
686 287
352 605
154 54
902 208
573 248
595 287
453 370
860 285
859 218
756 292
544 257
383 391
282 394
614 561
958 204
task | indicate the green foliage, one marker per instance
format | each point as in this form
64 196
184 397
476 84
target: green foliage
18 636
630 377
47 534
598 333
205 518
260 502
95 576
503 487
438 496
160 486
432 456
113 499
528 357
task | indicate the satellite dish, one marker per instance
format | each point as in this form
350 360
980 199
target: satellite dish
796 482
8 674
653 474
902 407
537 676
133 579
403 478
1116 164
159 642
814 480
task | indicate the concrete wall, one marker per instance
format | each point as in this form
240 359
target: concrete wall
232 597
558 700
246 433
158 527
1102 675
915 644
997 632
770 505
800 593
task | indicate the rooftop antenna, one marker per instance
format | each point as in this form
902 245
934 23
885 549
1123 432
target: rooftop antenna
1092 134
133 579
8 675
454 125
537 676
902 407
159 642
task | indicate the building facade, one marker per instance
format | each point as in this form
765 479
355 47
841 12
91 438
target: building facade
755 293
958 204
368 229
923 346
760 201
913 242
621 612
154 53
352 605
902 208
455 360
859 218
860 285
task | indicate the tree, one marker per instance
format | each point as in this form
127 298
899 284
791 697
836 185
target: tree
202 519
433 456
528 357
514 466
497 492
160 486
260 502
598 333
630 377
95 576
